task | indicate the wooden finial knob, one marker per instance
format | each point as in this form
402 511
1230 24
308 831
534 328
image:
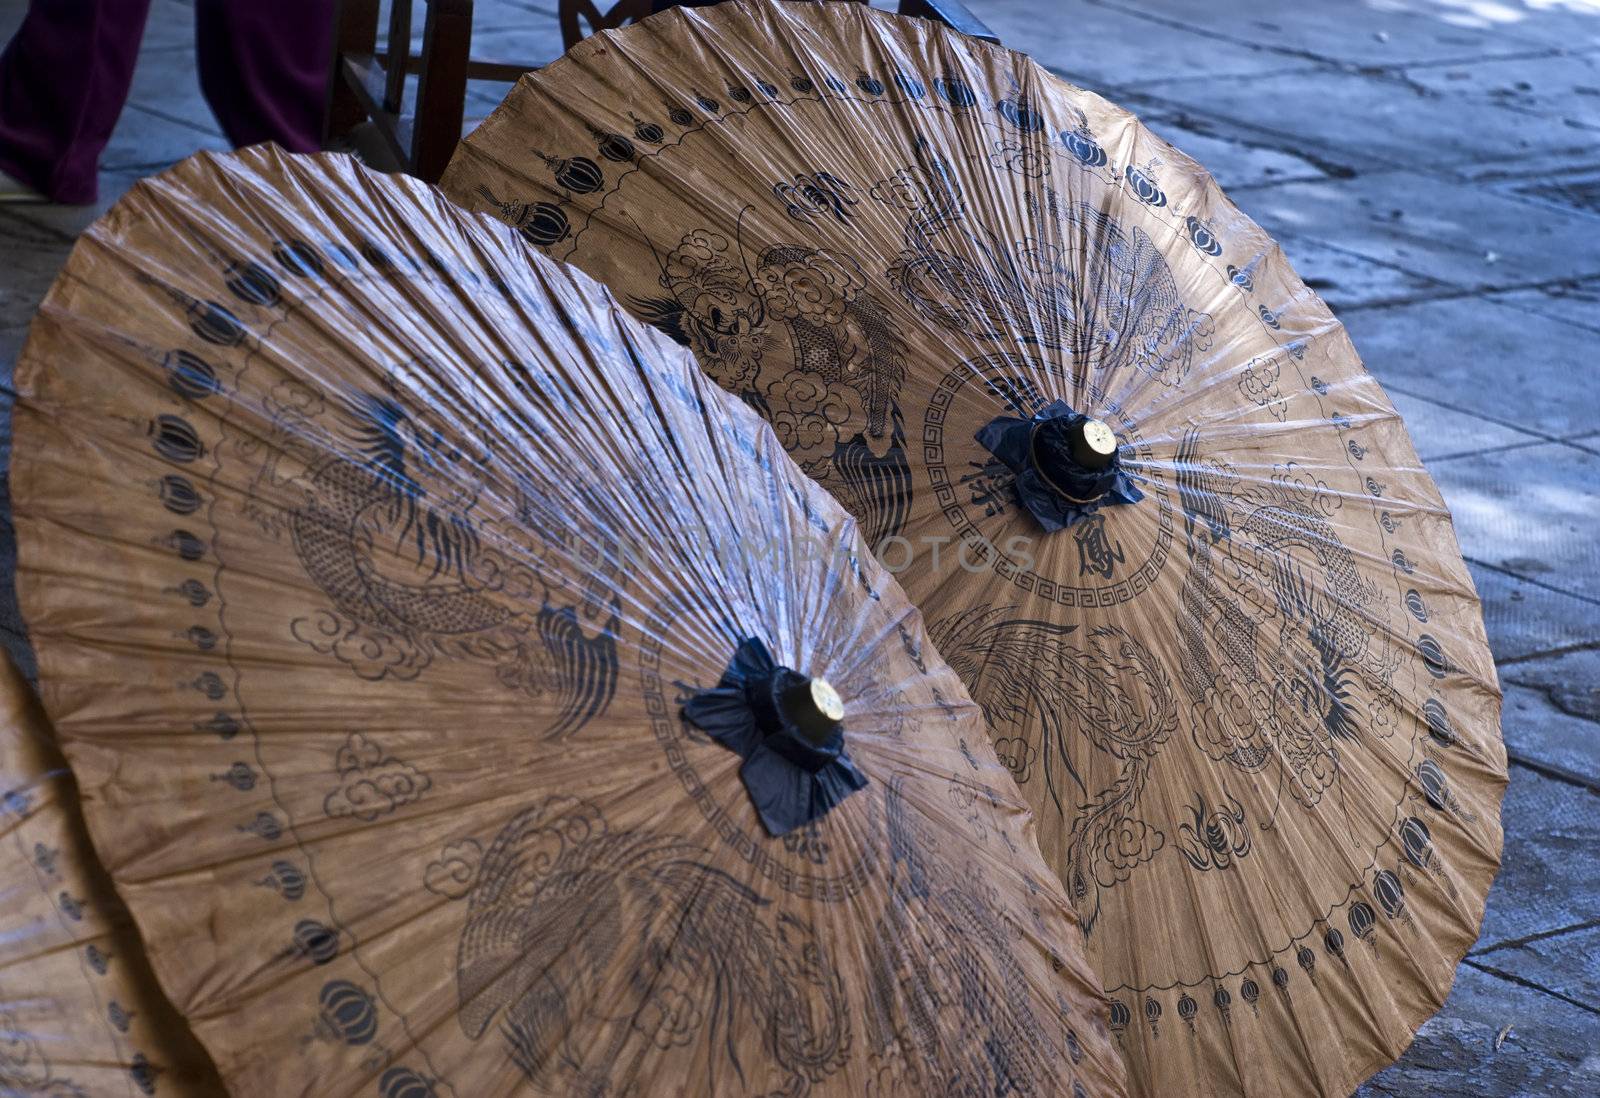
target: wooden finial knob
1092 444
815 708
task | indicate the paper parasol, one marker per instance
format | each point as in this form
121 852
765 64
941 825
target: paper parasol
1170 533
80 1012
369 557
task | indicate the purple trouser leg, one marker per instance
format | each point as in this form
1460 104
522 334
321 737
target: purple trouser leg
264 68
63 81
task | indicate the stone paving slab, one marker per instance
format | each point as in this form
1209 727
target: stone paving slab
1387 120
1499 362
66 222
1533 512
1439 432
32 257
1548 89
1104 49
534 42
1260 129
1514 175
1566 24
11 340
1568 964
21 652
1457 233
145 141
10 346
1352 32
1234 159
170 26
1539 732
1549 1048
1566 190
1550 871
1571 682
1524 618
13 636
1576 303
171 83
1345 280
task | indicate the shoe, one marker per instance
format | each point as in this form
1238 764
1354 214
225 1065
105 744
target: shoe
14 191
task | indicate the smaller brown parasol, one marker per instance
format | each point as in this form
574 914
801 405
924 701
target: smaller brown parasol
80 1011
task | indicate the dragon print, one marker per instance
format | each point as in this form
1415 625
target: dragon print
1112 693
1271 621
836 409
636 933
388 528
950 1002
1104 293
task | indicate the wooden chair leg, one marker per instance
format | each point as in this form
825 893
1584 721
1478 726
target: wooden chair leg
355 32
398 57
442 87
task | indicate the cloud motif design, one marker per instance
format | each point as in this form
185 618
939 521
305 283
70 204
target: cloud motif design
372 783
1258 383
373 655
811 414
813 286
1017 756
669 1018
452 876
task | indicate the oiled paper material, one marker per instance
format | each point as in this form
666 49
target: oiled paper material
80 1012
1254 710
369 555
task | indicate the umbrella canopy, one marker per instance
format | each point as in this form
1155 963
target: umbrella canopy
370 557
80 1011
1170 533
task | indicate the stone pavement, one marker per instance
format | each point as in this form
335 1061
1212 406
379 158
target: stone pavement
1432 167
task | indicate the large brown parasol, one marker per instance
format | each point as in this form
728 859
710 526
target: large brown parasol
80 1012
369 557
1168 530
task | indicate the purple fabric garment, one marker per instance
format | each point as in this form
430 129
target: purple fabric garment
264 68
64 79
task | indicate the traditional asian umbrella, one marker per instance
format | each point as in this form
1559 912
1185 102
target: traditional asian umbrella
369 557
80 1011
1168 530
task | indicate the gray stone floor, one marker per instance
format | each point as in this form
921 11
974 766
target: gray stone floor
1433 169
